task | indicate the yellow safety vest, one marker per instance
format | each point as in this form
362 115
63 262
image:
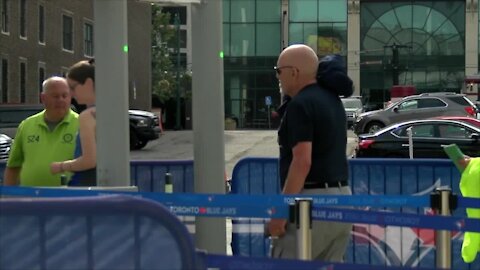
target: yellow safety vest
470 187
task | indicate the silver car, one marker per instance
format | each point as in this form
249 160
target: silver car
353 108
416 107
5 144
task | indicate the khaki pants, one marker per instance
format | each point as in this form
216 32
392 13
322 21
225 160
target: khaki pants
329 239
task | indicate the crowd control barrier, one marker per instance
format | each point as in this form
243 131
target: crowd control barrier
108 232
370 244
150 175
272 206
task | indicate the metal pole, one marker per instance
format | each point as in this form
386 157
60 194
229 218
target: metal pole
443 238
168 183
410 142
177 86
303 222
208 118
111 82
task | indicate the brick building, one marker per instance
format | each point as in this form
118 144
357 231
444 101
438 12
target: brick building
41 38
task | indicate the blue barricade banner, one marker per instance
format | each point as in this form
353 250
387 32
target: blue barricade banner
396 219
262 206
370 244
466 202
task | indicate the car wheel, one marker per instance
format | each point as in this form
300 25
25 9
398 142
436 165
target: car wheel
141 144
134 141
374 127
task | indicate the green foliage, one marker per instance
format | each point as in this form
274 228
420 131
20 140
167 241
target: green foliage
163 81
186 86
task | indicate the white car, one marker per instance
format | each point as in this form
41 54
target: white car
5 144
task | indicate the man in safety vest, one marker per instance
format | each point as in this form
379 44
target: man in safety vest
470 187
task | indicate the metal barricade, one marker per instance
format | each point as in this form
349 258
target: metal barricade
370 244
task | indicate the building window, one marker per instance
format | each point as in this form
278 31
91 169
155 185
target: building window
67 23
41 24
23 18
88 39
4 81
181 11
172 43
4 7
322 25
41 76
183 61
23 82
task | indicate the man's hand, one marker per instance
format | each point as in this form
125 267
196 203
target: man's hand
56 167
276 227
464 162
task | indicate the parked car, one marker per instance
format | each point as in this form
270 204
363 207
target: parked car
5 144
416 107
144 127
470 120
353 108
428 137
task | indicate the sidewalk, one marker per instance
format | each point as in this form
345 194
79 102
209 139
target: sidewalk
238 144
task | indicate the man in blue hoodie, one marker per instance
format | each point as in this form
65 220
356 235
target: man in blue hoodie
312 139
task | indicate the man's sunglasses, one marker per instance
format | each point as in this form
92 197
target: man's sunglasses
279 69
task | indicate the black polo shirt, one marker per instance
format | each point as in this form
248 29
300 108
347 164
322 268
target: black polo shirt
315 115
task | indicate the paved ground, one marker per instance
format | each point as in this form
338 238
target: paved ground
238 144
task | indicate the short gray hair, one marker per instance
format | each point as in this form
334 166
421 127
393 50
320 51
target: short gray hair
46 83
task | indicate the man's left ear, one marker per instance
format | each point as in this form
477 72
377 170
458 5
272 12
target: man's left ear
294 72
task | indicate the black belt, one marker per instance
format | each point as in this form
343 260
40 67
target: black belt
337 184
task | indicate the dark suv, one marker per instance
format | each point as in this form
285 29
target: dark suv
143 125
416 107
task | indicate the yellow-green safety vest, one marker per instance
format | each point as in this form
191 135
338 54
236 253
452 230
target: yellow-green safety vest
470 187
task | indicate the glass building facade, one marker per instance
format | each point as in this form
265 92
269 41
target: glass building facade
420 43
254 32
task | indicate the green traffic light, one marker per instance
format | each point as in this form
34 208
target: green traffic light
221 54
125 48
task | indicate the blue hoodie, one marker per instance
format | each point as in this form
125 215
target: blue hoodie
332 75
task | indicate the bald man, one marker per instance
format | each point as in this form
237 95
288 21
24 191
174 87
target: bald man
43 138
312 139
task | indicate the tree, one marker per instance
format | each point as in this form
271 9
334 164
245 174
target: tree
163 79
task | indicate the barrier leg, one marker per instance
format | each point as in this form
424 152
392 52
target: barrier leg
303 222
443 238
410 142
168 183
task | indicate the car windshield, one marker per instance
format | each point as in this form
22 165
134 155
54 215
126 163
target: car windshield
352 103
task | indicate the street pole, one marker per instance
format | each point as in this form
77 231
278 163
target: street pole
177 85
111 73
208 118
